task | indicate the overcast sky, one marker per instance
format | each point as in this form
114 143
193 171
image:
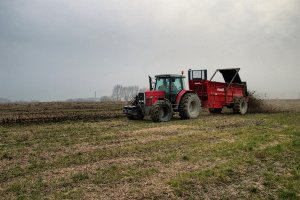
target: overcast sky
59 49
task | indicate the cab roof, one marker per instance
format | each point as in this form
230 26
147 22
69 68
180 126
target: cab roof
169 76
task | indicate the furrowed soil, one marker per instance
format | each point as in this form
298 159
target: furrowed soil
226 156
58 111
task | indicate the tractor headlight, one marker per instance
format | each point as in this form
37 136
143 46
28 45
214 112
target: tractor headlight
141 97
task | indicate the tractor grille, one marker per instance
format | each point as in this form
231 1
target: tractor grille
141 97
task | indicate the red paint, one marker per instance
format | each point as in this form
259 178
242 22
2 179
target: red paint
215 94
152 96
180 95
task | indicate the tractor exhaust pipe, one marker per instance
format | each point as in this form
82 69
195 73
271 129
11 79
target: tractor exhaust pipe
150 83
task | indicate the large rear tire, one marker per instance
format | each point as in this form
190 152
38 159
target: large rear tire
189 107
161 111
240 106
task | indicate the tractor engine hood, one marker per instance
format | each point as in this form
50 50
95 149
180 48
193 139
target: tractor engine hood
151 96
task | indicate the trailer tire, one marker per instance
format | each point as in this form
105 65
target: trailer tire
189 107
215 110
240 106
161 111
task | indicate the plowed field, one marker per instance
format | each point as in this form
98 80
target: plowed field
58 111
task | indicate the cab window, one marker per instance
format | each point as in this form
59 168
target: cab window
176 85
162 84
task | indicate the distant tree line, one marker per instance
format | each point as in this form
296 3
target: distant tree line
121 93
4 100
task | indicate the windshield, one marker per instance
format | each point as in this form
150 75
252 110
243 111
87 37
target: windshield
162 84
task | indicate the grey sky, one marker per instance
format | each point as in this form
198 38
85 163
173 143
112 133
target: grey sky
58 49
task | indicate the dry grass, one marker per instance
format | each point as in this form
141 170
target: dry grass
225 156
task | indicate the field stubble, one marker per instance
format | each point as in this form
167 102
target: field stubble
227 156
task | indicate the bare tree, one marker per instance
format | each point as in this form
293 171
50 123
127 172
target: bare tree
124 93
142 89
105 98
130 92
117 93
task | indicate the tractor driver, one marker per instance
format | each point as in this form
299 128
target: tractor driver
164 86
173 87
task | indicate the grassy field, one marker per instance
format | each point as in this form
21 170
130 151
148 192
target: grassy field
225 156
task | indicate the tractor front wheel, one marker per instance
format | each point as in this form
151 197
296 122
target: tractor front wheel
135 117
131 117
189 106
240 106
161 111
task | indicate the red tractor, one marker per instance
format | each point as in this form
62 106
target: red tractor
169 95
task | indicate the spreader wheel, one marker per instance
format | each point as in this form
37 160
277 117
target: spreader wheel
189 106
161 111
240 106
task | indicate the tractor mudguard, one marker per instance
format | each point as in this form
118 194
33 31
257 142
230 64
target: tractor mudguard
180 95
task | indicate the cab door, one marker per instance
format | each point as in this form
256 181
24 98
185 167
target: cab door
163 84
176 85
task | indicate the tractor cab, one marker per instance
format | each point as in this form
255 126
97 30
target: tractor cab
170 84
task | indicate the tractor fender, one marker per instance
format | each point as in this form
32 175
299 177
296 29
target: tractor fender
181 94
164 99
161 98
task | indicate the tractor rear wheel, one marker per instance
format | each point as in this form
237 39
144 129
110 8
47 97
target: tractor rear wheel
189 106
161 111
215 110
240 106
